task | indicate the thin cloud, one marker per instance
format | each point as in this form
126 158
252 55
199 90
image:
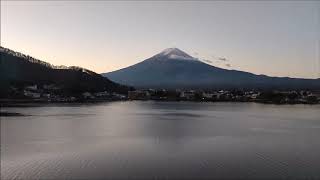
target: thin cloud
223 59
215 59
219 58
208 61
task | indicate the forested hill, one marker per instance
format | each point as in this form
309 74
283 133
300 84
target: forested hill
17 69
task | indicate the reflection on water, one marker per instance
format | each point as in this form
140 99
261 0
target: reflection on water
167 140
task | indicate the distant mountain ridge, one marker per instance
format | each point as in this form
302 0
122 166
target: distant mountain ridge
173 68
19 70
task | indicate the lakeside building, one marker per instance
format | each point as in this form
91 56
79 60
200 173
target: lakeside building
138 95
32 87
31 94
188 95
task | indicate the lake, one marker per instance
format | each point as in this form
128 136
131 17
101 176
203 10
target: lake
161 140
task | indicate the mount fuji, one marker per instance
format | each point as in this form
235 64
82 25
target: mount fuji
173 68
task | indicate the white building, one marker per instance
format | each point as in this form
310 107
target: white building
31 94
33 88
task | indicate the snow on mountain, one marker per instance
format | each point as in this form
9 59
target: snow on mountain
174 53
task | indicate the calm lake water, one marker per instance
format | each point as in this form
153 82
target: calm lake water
161 140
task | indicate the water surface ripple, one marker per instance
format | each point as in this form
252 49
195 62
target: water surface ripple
161 140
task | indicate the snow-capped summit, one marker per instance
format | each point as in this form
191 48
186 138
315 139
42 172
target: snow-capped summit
175 53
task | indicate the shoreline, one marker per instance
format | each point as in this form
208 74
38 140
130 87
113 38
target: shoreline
21 103
37 102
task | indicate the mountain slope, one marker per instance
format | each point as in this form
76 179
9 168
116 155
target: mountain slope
20 70
173 68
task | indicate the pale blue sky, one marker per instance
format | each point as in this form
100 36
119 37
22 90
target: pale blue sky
268 37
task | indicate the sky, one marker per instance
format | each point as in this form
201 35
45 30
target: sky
276 38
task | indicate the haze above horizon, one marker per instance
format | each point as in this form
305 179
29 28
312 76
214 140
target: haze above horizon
272 38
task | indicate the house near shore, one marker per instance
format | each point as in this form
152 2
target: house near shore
31 88
87 95
31 94
138 95
189 95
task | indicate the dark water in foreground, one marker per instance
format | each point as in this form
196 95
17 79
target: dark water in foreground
161 140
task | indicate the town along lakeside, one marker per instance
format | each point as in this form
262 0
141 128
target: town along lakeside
43 94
